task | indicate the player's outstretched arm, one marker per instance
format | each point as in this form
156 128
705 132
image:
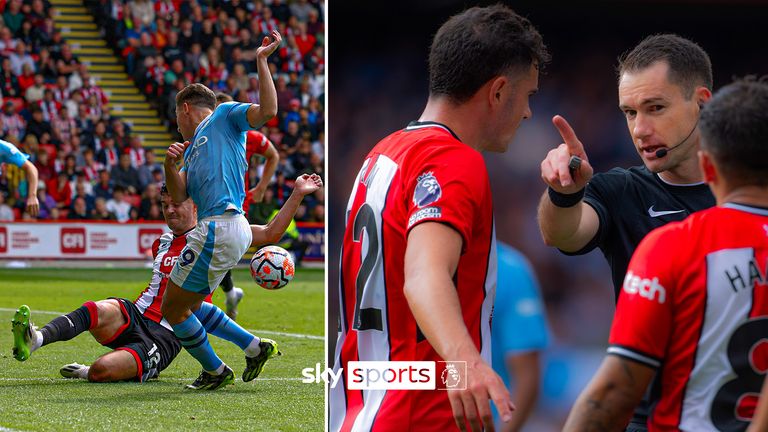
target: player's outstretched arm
431 258
760 420
272 231
175 180
270 166
33 206
609 399
267 108
563 224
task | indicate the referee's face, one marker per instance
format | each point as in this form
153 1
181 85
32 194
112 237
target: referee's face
659 116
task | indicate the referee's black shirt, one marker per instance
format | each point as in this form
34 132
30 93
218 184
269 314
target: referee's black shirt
632 202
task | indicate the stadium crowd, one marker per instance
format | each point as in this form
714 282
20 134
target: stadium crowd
91 164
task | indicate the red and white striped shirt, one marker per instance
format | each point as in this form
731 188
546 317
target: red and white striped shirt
698 312
137 156
100 95
420 174
62 95
50 109
165 250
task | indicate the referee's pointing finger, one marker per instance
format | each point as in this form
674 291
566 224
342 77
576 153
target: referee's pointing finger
569 136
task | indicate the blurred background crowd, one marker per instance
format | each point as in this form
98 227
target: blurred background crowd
90 162
381 86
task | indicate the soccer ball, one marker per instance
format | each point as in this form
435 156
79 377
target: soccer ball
272 267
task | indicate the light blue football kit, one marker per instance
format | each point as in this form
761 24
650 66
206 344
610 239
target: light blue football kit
10 154
519 324
215 165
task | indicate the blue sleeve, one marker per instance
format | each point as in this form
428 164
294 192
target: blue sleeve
519 322
237 116
10 154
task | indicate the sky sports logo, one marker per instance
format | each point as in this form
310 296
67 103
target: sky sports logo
394 375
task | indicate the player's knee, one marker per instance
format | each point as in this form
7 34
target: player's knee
173 312
100 372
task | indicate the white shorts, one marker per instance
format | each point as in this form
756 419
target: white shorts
214 247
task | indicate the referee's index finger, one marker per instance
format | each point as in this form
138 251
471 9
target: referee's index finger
569 136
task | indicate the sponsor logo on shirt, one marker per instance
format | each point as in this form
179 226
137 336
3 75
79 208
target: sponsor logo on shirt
425 213
647 288
427 190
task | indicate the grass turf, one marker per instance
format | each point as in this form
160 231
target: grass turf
34 397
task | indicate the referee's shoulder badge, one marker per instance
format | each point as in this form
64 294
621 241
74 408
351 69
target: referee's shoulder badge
427 190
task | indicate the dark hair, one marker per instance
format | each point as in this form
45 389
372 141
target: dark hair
734 129
479 44
223 97
197 95
689 64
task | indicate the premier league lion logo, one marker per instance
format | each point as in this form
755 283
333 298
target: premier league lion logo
450 376
427 190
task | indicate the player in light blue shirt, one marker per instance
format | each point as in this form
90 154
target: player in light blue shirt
10 154
213 176
518 333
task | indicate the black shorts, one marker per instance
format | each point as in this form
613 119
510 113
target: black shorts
152 346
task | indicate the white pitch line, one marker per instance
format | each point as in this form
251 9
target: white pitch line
268 332
5 429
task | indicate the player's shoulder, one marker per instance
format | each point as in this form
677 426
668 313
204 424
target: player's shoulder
223 110
6 146
426 138
620 175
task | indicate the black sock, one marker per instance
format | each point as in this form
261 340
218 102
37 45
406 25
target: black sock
67 326
226 283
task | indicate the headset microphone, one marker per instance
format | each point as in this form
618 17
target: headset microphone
663 152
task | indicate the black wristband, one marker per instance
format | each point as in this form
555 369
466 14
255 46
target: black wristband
565 200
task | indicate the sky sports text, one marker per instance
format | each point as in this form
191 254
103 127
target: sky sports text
393 375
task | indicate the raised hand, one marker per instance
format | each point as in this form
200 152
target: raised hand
307 184
554 168
268 47
175 153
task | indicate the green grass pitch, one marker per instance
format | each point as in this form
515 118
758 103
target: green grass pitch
34 397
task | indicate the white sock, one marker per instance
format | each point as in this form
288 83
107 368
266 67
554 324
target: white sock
218 370
83 372
232 294
37 340
252 350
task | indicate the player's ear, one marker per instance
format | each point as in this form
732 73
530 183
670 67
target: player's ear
496 89
708 168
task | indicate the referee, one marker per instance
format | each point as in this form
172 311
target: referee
663 83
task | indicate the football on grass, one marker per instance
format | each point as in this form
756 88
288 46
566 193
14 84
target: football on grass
272 267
